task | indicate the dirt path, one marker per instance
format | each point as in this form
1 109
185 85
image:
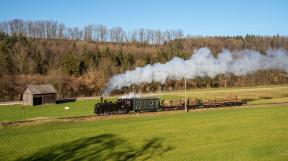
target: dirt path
11 103
82 118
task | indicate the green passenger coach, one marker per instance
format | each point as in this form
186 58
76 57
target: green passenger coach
146 104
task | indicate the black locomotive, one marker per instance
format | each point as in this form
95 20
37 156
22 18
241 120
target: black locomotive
126 105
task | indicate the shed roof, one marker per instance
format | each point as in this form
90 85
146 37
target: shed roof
40 89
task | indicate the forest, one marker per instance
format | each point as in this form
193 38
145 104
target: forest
79 62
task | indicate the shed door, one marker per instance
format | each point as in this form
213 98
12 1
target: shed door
37 100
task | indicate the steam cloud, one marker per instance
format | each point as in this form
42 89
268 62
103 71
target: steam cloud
202 63
130 95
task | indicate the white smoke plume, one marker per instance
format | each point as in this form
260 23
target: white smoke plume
130 95
202 63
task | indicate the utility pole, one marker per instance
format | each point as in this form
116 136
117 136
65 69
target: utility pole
185 105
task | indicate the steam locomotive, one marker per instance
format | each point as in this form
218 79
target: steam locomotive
141 104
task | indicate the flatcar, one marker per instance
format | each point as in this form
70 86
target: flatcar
168 105
224 102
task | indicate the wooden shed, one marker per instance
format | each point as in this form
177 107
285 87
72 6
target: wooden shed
39 94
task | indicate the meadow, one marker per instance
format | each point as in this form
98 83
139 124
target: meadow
85 107
255 132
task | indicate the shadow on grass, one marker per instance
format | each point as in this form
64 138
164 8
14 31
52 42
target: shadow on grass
101 147
249 99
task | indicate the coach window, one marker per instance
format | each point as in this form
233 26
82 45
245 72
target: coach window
151 102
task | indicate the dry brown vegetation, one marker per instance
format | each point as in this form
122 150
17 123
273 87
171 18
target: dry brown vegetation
81 68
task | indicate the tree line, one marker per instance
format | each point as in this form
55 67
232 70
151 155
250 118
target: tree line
82 68
56 30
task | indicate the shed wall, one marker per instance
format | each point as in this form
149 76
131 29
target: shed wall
49 98
27 99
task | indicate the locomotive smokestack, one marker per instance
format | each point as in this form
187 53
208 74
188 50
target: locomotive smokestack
101 99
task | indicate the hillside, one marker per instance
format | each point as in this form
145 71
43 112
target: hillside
82 68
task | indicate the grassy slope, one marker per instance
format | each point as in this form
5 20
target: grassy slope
220 134
20 112
85 107
248 92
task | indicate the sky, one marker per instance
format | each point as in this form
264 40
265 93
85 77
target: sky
194 17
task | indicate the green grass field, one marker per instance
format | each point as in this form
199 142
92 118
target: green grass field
85 107
253 132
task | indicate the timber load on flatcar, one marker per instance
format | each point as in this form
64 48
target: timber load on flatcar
224 102
168 105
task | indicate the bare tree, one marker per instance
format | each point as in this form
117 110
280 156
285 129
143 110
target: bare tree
117 34
158 37
101 32
4 27
61 30
149 36
88 31
74 33
53 29
141 35
132 36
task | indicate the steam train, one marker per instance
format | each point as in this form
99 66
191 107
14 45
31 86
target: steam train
141 104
